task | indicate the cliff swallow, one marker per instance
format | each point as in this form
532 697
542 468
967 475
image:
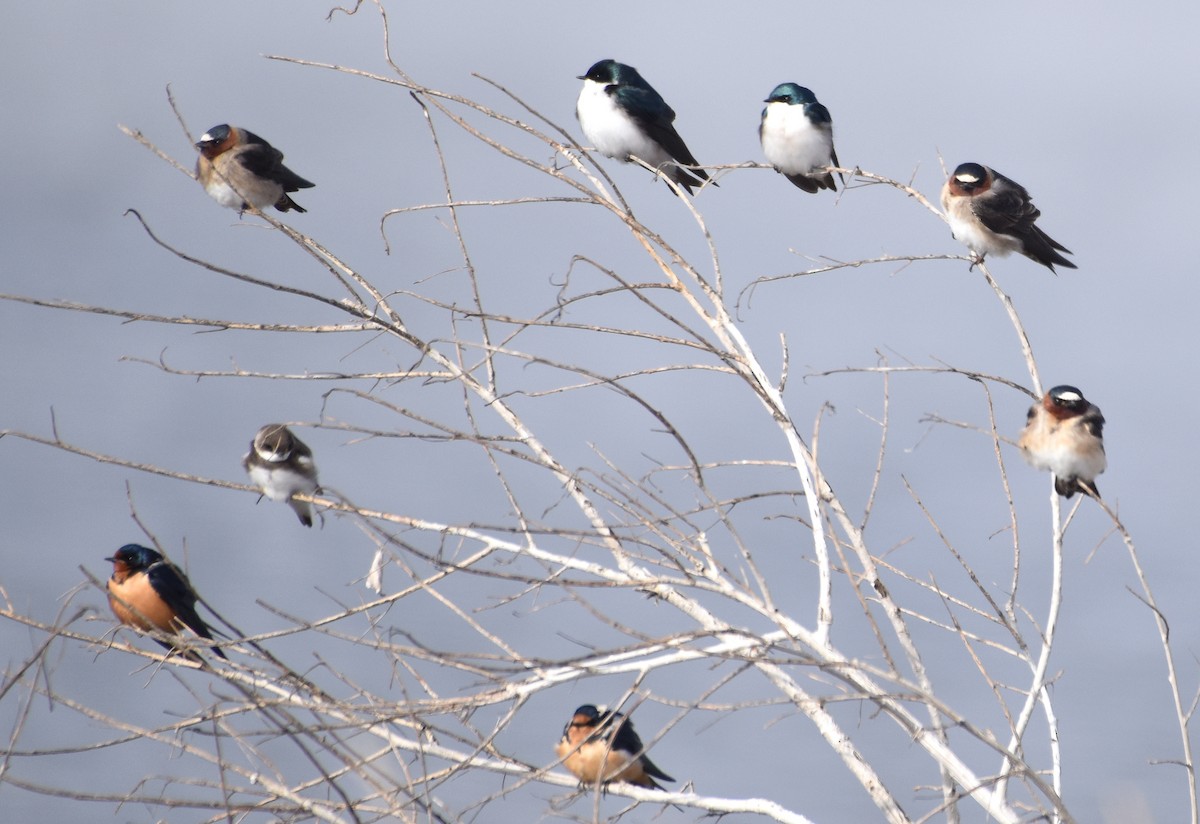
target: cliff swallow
1064 434
991 214
242 171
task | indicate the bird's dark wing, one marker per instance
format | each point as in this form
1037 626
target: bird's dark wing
626 739
817 113
264 160
1006 209
836 162
1093 422
173 587
654 116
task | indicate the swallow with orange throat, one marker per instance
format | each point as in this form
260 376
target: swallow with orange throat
147 592
600 746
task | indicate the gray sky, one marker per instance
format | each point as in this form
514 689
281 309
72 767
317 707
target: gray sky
1094 114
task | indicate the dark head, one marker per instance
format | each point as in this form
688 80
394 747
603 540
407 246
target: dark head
586 717
134 558
589 712
608 72
274 442
971 176
791 93
1066 397
216 140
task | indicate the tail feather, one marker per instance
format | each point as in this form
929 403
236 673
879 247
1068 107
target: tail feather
285 203
1067 487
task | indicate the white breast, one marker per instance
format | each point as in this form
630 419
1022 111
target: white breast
969 230
790 141
1066 449
224 194
612 132
279 483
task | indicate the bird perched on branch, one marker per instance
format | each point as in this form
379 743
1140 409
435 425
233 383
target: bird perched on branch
280 464
991 214
147 592
242 171
797 137
600 746
623 116
1064 434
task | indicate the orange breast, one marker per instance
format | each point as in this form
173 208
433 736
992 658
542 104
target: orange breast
148 610
594 761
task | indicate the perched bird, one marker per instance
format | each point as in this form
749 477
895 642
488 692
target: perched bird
623 116
991 214
147 592
797 137
1064 433
281 465
242 171
599 745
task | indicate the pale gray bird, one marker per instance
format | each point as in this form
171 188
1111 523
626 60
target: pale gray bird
281 465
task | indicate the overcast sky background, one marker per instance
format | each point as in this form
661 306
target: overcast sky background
1093 111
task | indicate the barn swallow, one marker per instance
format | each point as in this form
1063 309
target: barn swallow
991 214
623 116
280 464
599 745
1064 433
242 171
797 137
147 592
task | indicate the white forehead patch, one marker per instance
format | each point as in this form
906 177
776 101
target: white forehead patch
1070 396
966 178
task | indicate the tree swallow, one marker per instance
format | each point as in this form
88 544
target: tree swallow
599 745
991 214
147 592
1064 433
242 171
797 137
623 116
281 465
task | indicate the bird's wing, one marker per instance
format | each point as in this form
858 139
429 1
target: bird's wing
654 116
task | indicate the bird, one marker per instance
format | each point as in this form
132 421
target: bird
1064 434
796 133
992 214
147 592
622 116
280 464
242 171
599 746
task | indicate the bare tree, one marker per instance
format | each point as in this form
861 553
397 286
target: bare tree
679 568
